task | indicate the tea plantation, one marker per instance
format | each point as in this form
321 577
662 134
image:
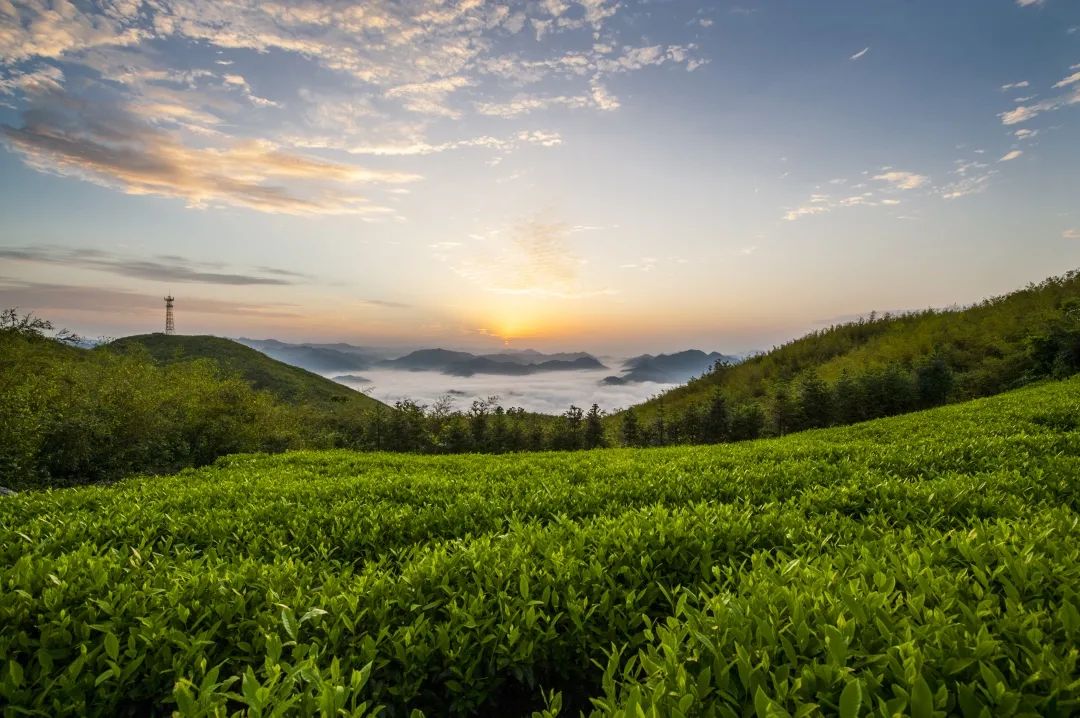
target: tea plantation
923 565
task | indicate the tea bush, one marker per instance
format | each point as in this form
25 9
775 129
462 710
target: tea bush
921 565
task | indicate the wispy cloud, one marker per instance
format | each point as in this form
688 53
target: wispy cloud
902 179
111 145
1011 155
1070 80
823 203
1072 233
533 257
1015 85
164 269
210 134
1026 112
972 177
860 53
44 298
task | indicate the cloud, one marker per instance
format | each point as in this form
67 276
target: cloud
42 79
860 53
902 180
398 68
523 104
112 145
967 185
1025 134
1015 85
1072 233
1070 80
162 269
532 257
1011 155
1028 3
430 97
44 298
822 203
1023 113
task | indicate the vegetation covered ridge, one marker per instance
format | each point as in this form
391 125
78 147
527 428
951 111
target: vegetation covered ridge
926 564
153 404
878 365
285 382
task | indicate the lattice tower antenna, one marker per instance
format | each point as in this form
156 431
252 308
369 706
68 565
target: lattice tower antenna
170 325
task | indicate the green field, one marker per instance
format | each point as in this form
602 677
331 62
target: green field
921 565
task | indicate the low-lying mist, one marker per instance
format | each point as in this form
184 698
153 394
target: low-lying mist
550 393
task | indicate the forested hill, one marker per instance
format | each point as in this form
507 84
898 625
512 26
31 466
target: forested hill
887 364
285 382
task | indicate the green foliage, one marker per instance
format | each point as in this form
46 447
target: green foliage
929 357
69 416
285 382
924 565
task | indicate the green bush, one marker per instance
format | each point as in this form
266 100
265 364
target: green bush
922 565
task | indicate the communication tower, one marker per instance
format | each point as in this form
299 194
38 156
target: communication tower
170 326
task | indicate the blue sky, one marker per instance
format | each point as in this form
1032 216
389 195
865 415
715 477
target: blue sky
614 175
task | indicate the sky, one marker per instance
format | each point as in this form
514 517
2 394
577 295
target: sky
615 176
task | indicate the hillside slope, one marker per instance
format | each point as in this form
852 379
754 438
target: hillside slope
986 348
919 565
288 383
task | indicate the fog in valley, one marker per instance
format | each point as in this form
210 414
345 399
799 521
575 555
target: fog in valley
550 393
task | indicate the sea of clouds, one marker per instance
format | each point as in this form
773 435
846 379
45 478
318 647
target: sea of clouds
550 392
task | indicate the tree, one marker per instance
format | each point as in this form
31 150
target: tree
1056 351
660 430
631 432
478 422
594 428
784 411
687 430
934 380
747 422
717 420
815 407
568 435
849 399
31 327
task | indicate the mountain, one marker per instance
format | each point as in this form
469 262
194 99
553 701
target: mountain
352 379
981 349
487 365
428 360
518 363
288 383
668 368
531 356
316 358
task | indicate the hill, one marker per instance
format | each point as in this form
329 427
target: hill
288 383
668 368
920 565
883 365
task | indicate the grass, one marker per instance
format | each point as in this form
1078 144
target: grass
926 565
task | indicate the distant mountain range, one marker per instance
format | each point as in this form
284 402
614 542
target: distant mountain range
518 363
346 358
318 358
668 368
